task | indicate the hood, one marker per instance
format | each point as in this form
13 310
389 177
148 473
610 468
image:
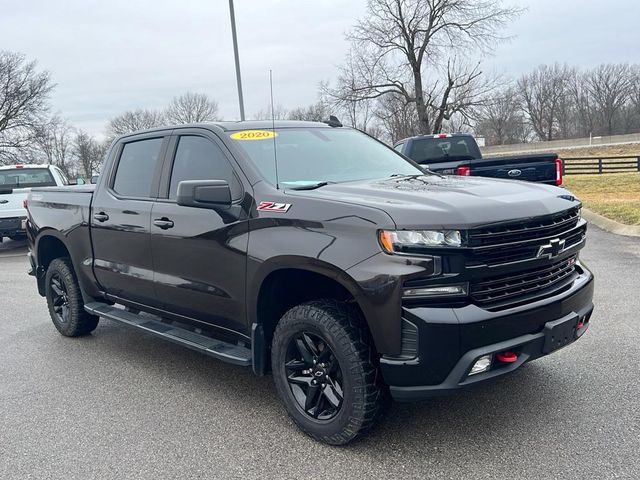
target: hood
450 201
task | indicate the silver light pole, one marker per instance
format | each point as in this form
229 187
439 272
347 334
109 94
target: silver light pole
237 57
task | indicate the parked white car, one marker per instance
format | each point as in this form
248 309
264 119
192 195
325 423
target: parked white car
15 183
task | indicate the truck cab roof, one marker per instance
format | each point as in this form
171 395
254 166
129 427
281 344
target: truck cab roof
233 126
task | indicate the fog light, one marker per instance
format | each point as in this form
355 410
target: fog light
482 365
443 290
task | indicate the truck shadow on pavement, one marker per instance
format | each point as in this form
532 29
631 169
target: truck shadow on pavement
498 412
11 247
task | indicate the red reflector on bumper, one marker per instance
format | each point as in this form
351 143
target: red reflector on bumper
506 357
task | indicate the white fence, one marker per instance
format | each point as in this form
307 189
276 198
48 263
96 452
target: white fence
561 144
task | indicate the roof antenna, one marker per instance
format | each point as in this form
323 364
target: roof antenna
273 127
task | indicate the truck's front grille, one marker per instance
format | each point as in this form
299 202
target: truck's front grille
509 289
511 242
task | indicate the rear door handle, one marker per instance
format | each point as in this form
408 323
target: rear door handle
101 217
163 223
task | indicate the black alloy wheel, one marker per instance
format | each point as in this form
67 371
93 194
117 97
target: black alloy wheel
325 369
59 298
64 299
314 376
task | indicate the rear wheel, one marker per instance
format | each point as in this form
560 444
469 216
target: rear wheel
325 371
64 300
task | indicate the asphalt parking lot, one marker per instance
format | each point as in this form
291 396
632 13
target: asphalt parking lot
119 404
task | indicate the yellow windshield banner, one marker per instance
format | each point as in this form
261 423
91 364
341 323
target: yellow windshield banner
254 135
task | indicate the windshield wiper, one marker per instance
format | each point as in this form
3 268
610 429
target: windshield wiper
307 186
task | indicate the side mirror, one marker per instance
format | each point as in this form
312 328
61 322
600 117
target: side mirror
204 193
79 181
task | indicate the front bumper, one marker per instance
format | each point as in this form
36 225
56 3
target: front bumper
450 340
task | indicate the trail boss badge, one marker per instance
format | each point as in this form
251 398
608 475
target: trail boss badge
274 207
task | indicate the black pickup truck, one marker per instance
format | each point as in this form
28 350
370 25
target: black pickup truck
319 254
458 154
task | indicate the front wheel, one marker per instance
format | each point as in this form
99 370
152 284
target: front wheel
64 300
325 371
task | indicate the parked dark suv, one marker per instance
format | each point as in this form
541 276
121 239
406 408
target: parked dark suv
319 254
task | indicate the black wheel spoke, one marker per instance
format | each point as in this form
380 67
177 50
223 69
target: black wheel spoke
65 313
325 355
313 397
56 289
319 407
296 365
307 356
299 380
332 395
311 346
333 366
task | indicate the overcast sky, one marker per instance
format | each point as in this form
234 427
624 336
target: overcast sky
110 56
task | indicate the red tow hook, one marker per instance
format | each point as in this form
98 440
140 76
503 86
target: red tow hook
506 357
580 325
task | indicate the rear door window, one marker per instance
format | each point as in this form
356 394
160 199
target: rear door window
136 168
198 158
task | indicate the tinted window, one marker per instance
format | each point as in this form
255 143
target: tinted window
136 168
198 158
26 177
437 149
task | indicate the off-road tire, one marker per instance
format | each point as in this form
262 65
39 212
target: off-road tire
342 328
78 322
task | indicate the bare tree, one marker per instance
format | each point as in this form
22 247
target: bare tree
192 108
134 120
585 114
542 92
398 117
399 41
356 113
317 112
24 103
89 154
502 121
53 143
279 113
610 87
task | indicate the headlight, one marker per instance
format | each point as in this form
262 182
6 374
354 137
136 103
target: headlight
398 241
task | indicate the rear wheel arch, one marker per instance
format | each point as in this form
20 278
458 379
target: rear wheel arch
49 247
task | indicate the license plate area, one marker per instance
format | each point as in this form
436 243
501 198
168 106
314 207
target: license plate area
559 333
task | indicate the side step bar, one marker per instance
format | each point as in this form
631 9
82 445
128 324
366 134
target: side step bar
227 352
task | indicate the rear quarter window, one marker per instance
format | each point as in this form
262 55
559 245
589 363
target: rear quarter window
136 168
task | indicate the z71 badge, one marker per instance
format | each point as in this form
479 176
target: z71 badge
274 207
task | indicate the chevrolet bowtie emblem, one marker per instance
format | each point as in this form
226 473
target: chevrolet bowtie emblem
554 248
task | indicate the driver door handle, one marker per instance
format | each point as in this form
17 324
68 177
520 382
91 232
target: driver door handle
163 223
101 217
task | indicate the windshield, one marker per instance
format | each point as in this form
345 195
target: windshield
312 155
432 150
26 177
